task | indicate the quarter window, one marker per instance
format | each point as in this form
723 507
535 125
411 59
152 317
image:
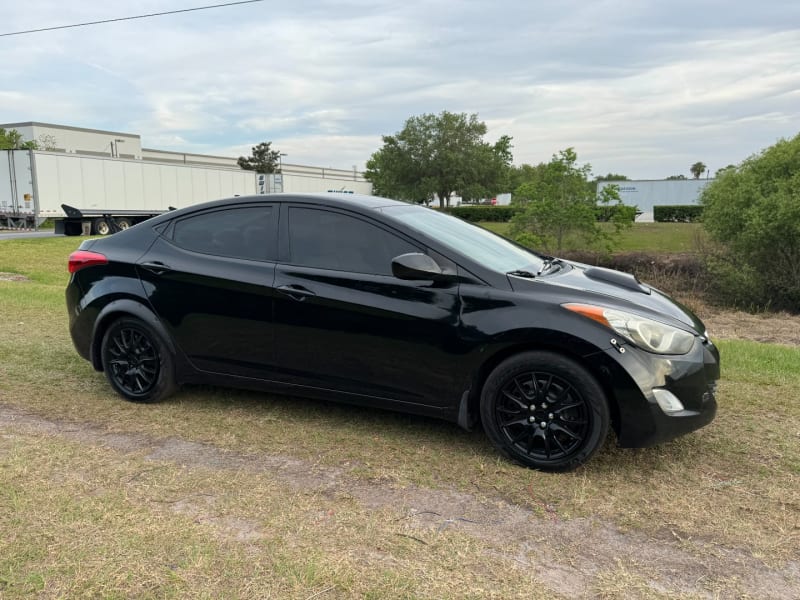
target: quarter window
236 232
330 240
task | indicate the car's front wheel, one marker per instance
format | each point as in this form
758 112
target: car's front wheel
545 411
137 362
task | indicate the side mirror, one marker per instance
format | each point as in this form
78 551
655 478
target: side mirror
416 266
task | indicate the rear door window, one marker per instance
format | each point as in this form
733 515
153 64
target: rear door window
247 232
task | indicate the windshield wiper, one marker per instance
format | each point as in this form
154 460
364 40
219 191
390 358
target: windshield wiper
522 273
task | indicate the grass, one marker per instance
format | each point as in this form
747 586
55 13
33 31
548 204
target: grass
642 237
83 514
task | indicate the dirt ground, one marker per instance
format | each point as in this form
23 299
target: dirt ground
773 328
566 555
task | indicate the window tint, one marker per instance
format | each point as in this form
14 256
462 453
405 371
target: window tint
236 232
329 240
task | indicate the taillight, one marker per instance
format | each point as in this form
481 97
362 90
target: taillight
80 259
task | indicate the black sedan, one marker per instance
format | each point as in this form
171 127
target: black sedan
381 303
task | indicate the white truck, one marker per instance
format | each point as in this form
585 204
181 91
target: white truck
88 194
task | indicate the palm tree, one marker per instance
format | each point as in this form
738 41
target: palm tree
698 169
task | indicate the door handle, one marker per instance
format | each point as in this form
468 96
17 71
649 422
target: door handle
156 267
295 292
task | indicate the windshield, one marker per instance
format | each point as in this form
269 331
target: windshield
492 251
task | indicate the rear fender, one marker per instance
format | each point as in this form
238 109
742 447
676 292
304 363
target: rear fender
120 308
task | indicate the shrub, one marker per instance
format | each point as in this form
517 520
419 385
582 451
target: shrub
560 206
504 214
606 213
753 213
495 214
688 213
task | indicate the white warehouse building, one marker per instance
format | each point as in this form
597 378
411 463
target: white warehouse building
648 193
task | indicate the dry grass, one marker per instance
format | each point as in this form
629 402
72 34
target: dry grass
316 497
87 521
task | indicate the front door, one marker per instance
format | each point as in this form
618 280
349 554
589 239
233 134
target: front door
343 322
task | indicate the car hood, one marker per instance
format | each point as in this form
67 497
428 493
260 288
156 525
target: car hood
577 282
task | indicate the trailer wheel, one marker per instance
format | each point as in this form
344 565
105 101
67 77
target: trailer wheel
101 226
124 223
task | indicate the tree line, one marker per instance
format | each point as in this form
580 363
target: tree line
751 210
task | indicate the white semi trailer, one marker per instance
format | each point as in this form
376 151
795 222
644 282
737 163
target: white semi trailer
84 193
93 194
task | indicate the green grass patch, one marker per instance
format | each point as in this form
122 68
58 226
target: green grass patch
763 364
42 260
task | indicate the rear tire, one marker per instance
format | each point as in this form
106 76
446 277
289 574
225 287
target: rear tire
544 411
137 362
123 224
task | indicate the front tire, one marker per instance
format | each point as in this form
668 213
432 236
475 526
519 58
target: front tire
544 411
137 362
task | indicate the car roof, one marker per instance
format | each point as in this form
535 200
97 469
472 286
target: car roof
331 199
343 200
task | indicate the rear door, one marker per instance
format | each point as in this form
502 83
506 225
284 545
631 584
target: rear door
209 277
343 322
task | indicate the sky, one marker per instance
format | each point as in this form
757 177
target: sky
637 87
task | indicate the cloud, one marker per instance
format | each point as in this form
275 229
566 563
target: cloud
638 88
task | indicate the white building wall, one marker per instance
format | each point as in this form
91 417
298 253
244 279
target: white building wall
646 194
77 140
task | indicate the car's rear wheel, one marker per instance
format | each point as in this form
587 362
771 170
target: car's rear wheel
544 411
137 362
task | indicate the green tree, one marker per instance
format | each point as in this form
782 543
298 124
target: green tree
611 177
560 205
753 212
519 175
262 159
697 169
440 155
676 177
724 169
608 177
11 139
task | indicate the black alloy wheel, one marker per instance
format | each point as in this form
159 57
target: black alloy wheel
544 411
136 361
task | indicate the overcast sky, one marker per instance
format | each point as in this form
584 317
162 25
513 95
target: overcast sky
640 88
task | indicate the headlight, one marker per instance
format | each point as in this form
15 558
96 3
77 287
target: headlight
645 333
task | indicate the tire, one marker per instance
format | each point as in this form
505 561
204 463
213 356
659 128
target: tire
544 411
137 362
101 226
123 224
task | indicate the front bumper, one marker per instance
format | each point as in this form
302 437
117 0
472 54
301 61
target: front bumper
634 374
